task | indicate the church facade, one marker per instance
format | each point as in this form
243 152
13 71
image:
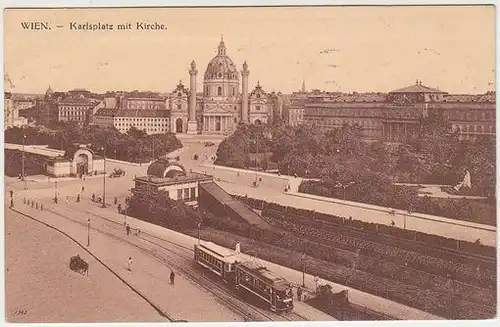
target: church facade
223 102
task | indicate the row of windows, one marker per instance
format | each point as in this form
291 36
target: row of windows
140 125
219 91
142 119
251 280
144 105
471 115
147 130
187 194
210 260
474 128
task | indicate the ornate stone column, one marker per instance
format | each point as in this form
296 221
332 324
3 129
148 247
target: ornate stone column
192 127
244 92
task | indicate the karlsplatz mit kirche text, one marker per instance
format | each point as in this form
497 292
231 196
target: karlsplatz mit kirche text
110 27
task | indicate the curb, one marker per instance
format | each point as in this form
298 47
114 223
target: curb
158 309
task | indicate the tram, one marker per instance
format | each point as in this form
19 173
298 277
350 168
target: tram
247 278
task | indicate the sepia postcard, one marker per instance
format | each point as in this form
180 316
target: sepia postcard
250 164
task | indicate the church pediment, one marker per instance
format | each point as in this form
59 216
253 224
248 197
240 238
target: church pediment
217 109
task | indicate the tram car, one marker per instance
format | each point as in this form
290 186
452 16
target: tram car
247 278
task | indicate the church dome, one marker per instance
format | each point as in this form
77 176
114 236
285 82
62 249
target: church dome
165 168
221 66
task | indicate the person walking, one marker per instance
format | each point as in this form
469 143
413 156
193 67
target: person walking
129 268
116 200
172 277
11 193
93 197
299 293
127 228
83 188
11 203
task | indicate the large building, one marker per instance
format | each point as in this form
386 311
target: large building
394 116
222 103
145 112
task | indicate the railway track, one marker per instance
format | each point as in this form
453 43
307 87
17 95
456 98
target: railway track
410 245
223 295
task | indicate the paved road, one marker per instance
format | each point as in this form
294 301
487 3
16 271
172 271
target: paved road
40 287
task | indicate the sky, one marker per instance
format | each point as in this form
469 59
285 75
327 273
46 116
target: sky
343 49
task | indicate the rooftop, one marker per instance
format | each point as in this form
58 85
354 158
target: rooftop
142 113
417 88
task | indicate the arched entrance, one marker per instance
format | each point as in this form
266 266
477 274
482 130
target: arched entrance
178 125
257 122
82 164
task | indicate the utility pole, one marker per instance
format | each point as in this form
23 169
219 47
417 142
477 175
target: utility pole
22 158
104 180
88 231
199 232
256 160
304 267
153 149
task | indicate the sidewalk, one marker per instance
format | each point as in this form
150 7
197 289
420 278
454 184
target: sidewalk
357 297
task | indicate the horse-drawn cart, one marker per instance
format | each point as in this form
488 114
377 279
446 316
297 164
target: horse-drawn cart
76 263
117 172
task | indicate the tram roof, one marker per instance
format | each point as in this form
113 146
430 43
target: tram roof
262 271
219 250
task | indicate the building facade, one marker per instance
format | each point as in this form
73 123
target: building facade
223 102
171 177
395 116
146 112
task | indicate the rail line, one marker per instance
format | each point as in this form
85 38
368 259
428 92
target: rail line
224 296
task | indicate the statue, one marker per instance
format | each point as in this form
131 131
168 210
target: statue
466 182
193 65
245 66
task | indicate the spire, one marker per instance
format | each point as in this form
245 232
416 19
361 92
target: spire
222 47
304 85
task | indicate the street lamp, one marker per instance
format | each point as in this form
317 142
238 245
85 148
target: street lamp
104 179
88 231
22 158
304 268
199 231
256 160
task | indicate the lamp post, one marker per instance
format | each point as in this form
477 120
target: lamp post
304 268
22 159
104 179
256 160
88 231
199 231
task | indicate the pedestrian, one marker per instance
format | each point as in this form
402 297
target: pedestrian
392 223
116 200
83 188
78 198
119 208
127 228
36 205
55 200
129 264
24 200
41 207
172 277
299 293
11 203
11 193
93 197
137 231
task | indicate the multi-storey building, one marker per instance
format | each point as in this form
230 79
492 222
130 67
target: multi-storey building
148 113
395 116
76 108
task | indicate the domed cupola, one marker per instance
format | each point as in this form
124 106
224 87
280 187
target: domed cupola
180 90
221 66
165 168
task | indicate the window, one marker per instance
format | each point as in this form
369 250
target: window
179 194
257 107
219 90
186 194
193 194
